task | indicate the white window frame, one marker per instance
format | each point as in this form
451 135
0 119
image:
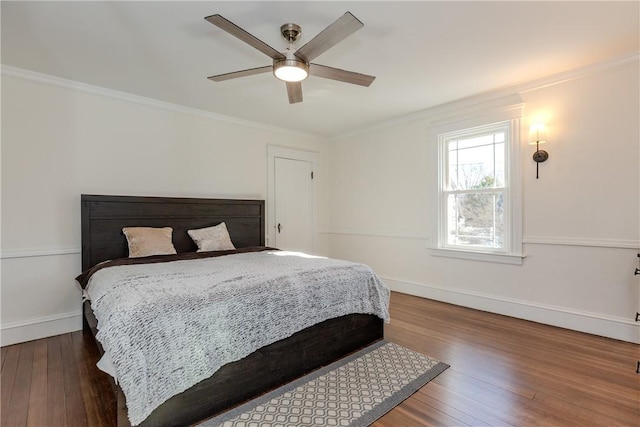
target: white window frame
503 112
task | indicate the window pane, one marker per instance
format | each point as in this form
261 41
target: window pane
500 165
476 162
453 166
476 220
475 141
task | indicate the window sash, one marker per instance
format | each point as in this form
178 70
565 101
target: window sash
444 151
497 228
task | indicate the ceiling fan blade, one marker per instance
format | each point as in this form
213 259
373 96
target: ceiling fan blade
344 26
238 32
242 73
294 90
340 75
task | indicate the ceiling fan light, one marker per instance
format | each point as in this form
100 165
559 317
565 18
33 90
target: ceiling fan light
290 70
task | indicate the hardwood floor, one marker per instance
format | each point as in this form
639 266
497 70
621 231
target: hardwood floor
510 372
504 372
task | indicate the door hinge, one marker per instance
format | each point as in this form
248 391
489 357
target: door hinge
311 174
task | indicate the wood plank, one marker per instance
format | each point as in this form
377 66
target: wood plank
467 405
3 355
9 371
464 417
511 406
573 410
96 393
516 409
9 368
457 403
37 415
19 406
74 403
89 396
56 411
429 415
408 415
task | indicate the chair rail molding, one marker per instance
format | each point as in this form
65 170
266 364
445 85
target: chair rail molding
39 252
581 241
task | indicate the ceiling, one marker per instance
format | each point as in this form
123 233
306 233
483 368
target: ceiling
423 53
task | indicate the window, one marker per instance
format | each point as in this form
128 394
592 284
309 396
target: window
473 188
478 195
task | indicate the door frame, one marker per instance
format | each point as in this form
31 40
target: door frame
273 152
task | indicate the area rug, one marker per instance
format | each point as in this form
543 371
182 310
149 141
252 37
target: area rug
354 391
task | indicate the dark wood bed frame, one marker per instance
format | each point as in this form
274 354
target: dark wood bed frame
103 218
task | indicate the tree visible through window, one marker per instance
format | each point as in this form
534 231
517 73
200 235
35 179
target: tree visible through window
473 193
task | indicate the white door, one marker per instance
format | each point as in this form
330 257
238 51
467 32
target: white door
293 205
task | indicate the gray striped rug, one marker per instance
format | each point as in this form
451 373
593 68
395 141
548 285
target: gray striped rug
354 391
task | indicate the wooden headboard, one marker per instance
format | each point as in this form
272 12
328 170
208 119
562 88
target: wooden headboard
103 218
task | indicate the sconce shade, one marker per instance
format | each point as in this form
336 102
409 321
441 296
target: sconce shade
537 134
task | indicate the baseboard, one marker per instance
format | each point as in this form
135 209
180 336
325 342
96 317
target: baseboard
582 321
17 332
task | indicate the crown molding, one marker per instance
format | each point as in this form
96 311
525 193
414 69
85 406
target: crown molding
576 73
34 76
489 96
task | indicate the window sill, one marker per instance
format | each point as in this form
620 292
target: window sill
512 259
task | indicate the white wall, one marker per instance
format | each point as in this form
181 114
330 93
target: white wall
61 139
581 218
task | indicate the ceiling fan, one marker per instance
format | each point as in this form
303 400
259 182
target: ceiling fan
294 65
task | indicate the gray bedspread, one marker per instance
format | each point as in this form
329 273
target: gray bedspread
170 325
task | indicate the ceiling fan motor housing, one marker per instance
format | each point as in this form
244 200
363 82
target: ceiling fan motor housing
290 32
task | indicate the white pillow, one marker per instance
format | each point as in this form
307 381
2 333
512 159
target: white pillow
146 241
214 238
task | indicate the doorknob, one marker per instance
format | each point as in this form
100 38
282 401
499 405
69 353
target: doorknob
279 227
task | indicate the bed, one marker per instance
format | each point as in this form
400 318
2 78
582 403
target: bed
104 217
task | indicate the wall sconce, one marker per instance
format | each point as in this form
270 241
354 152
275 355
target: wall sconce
537 136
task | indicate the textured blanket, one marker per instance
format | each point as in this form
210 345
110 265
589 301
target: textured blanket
170 325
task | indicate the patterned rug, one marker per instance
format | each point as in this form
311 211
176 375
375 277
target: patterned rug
354 391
